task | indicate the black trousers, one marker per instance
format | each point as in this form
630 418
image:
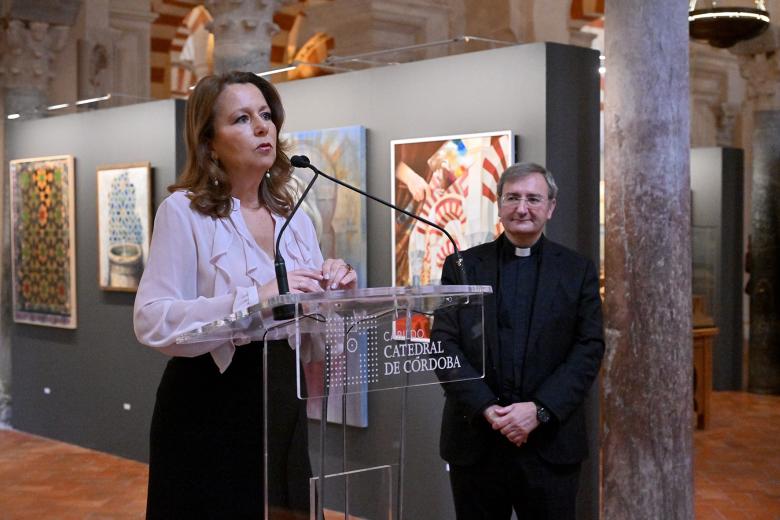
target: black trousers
514 478
206 450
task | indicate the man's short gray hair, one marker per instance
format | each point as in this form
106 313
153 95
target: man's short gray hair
520 170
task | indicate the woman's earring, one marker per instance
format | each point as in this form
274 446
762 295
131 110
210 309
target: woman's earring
216 182
268 174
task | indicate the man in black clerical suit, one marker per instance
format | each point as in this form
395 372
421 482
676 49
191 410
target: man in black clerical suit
516 438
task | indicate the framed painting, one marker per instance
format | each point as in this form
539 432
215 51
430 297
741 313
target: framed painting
338 214
43 241
451 181
124 215
339 217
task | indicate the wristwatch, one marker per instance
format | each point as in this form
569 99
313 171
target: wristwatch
542 414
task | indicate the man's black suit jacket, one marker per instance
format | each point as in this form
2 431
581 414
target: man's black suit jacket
563 354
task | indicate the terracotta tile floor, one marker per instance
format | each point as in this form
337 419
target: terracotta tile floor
737 460
43 479
737 471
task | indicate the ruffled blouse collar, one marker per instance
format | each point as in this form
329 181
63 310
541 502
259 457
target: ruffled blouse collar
293 246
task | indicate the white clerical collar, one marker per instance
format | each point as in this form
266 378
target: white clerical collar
523 252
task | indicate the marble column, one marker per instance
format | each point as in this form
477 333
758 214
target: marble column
647 378
243 30
760 66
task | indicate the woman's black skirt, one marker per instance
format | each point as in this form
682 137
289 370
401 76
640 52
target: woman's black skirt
206 452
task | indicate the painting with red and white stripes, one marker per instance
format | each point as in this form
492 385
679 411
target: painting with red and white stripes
451 181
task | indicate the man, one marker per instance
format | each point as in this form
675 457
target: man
516 438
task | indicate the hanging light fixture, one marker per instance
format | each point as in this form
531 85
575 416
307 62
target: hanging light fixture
723 26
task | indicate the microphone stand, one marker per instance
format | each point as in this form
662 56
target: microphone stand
301 161
287 311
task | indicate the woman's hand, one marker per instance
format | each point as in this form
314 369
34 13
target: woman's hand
299 281
337 274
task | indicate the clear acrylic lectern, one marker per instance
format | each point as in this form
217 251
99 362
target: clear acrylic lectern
347 344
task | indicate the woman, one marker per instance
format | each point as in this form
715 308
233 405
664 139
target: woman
212 254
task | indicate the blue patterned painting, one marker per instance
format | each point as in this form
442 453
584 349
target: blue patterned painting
124 207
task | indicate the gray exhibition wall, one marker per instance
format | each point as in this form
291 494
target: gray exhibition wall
717 195
547 94
94 371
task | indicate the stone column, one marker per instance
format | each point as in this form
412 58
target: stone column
760 66
132 20
243 30
96 52
28 63
391 24
114 51
727 117
710 78
647 372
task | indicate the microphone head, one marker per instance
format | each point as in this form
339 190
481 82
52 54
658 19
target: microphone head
300 161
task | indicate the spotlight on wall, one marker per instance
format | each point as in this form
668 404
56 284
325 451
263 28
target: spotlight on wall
724 26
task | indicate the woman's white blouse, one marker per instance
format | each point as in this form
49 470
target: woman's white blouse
202 268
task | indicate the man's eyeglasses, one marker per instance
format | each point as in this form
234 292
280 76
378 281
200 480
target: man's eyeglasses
512 200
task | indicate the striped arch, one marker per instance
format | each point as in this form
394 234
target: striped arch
171 14
170 30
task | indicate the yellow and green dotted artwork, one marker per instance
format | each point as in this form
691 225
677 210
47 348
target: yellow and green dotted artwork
43 241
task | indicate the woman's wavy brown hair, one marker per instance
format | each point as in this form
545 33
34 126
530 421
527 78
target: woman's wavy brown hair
207 183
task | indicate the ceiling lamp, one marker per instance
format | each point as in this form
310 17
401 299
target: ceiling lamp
724 26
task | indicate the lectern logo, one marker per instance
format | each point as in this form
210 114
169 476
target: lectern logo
415 357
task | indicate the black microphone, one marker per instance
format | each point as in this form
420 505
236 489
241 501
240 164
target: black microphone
287 311
301 161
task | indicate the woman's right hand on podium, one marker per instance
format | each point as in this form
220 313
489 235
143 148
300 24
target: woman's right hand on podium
299 281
